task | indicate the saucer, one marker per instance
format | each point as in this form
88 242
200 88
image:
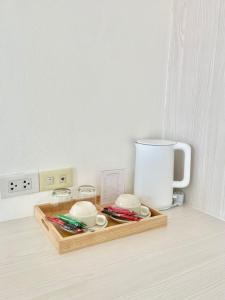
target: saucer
92 229
97 227
67 230
127 221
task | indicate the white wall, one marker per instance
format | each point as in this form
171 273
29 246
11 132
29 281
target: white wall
195 98
79 81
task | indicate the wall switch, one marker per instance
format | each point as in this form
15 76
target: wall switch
56 179
112 185
13 185
50 180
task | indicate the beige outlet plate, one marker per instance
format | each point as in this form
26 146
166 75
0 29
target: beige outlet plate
56 179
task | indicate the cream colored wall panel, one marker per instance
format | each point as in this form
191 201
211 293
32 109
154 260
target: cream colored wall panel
195 97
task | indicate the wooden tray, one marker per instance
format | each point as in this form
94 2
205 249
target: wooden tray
65 242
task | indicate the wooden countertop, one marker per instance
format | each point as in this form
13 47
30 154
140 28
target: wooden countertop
185 260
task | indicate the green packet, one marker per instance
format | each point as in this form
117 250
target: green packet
71 221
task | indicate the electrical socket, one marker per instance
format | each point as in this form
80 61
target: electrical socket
55 179
12 185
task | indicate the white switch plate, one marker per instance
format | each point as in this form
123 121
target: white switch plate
112 185
13 185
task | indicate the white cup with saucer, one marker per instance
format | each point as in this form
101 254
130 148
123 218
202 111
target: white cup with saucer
86 212
132 202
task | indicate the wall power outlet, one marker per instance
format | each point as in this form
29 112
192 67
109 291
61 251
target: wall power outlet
13 185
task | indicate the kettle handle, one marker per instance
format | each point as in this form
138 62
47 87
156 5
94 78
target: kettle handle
187 165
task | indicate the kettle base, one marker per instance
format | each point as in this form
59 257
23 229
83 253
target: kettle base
178 200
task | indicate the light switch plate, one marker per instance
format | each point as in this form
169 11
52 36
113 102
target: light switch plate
112 185
56 179
18 184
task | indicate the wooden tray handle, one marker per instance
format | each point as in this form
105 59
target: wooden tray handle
45 224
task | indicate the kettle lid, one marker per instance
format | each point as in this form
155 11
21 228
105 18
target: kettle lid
156 142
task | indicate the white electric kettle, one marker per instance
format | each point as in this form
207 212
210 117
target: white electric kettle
154 171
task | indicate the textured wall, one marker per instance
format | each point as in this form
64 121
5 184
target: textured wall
195 97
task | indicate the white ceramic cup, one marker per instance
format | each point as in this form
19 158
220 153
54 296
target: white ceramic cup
133 203
86 212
